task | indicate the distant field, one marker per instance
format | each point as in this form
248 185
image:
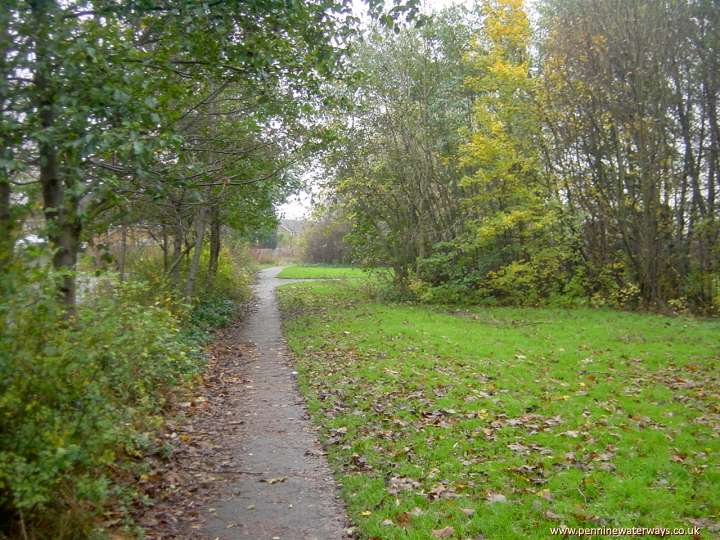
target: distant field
503 423
321 272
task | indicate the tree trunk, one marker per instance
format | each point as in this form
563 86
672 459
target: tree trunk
63 225
177 250
7 226
61 216
215 243
165 248
200 222
123 252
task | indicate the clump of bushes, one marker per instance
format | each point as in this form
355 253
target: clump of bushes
80 396
324 240
549 277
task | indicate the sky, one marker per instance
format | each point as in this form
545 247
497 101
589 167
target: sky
297 207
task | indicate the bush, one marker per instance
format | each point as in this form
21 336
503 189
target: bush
77 398
550 276
323 241
232 281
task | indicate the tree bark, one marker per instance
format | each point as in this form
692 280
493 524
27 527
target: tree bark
177 250
215 243
7 223
165 248
123 252
61 211
7 226
200 223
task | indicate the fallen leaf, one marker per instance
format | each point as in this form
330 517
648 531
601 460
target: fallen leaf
552 515
446 532
545 494
496 497
272 481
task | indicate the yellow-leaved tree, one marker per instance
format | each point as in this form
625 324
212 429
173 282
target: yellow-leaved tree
505 198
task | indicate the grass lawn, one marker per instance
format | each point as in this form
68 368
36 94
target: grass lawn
503 423
321 272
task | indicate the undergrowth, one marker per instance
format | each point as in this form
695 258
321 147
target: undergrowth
82 399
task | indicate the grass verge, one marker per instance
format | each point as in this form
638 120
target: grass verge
503 423
321 272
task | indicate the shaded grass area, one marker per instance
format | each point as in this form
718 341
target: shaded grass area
506 422
321 272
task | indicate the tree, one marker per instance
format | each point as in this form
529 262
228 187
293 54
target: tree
99 93
324 239
506 197
631 90
397 160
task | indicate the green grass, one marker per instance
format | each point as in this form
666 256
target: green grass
321 272
502 423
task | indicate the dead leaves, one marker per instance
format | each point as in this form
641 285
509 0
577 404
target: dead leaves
520 448
493 497
433 420
396 484
445 532
552 515
200 463
535 474
271 481
359 464
589 461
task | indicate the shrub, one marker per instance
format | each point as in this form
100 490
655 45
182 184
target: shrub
323 241
76 397
233 279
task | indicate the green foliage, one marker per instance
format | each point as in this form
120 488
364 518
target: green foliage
232 280
625 109
81 398
209 313
76 395
396 163
575 166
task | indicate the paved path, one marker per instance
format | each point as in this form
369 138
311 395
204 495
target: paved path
300 501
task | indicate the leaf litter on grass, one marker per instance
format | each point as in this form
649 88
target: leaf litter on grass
535 424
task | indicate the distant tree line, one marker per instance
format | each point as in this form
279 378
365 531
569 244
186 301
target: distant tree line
323 240
576 161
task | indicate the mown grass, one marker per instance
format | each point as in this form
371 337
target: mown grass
321 272
502 423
